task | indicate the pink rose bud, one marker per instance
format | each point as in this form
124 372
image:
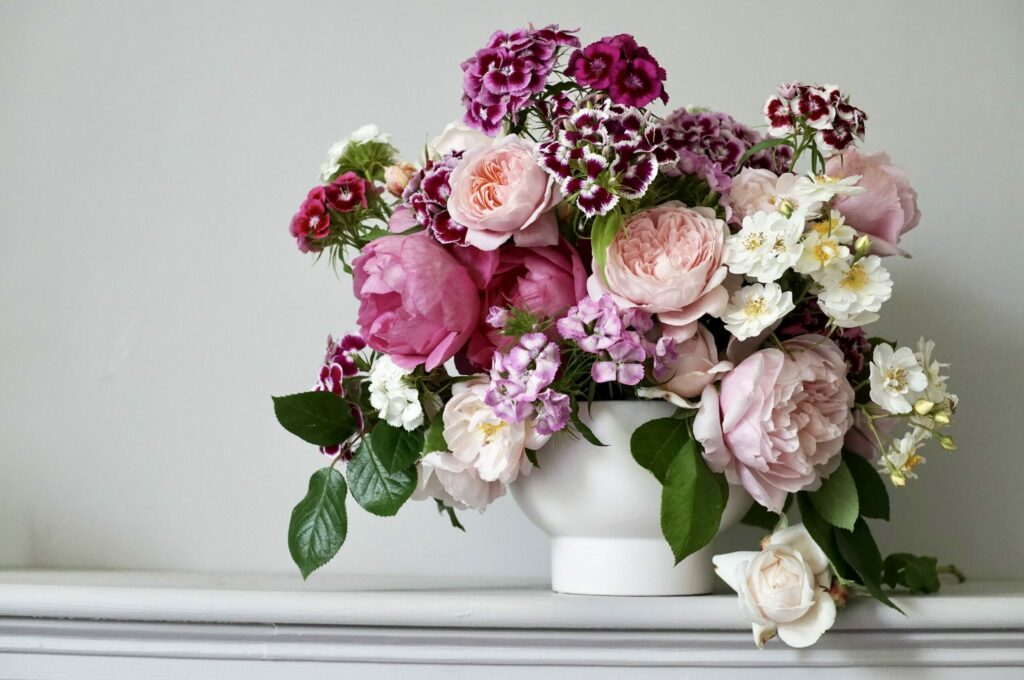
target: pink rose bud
396 177
839 593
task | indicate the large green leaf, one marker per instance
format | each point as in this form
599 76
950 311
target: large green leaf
692 502
433 439
374 487
321 418
656 444
762 517
823 534
871 493
836 500
396 447
860 551
319 524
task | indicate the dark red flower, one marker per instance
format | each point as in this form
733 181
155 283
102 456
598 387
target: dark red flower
346 192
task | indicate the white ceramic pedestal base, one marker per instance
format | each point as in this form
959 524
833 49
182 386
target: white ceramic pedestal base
603 512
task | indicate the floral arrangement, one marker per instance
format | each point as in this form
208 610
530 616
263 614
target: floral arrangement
565 244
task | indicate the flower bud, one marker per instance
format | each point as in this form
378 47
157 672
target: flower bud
923 407
947 443
839 593
396 177
862 246
942 418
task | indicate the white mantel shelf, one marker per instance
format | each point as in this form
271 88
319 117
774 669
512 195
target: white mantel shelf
58 624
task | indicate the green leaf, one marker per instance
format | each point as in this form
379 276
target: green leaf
762 517
375 488
656 444
824 535
602 233
581 427
452 517
859 549
836 500
434 439
871 492
319 523
321 418
761 146
396 447
919 574
531 456
692 502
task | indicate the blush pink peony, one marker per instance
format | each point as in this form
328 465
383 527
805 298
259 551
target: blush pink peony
667 261
777 424
887 208
416 302
499 192
696 364
546 281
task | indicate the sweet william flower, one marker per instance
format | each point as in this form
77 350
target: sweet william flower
624 363
347 192
312 222
784 589
619 65
416 302
897 379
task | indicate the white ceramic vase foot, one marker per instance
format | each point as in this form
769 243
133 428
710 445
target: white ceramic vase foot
603 511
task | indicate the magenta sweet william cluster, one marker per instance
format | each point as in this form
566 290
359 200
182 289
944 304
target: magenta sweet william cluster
503 77
619 65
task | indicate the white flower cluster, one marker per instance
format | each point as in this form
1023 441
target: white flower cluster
367 133
782 229
397 402
910 384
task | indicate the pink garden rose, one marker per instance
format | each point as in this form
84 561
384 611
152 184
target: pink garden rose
416 302
499 191
667 261
888 206
753 190
778 423
696 364
546 281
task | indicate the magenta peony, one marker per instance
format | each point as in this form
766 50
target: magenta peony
888 206
668 261
416 302
499 191
546 281
778 423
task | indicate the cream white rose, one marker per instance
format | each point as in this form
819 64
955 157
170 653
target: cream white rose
784 589
457 136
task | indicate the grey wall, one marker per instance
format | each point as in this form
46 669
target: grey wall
151 155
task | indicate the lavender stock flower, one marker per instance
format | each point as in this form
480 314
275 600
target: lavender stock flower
553 411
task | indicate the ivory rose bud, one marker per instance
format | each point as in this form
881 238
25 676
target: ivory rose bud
696 364
888 206
778 423
457 136
667 261
416 302
397 177
784 589
499 192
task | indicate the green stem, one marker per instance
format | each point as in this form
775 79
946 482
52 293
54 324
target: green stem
952 569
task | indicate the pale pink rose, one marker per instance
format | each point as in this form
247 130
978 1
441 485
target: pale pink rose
887 208
457 136
667 261
696 365
416 302
499 191
778 422
753 190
